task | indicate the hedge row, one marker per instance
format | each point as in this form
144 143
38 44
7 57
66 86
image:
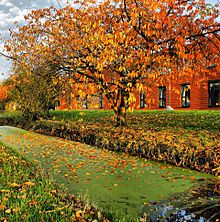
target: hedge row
180 149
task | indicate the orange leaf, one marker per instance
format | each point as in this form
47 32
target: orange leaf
78 213
2 207
32 202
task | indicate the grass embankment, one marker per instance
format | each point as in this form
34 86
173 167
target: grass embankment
184 138
27 194
155 120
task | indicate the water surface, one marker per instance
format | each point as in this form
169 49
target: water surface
113 180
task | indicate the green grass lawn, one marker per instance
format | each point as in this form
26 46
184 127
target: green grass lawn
157 120
27 194
208 120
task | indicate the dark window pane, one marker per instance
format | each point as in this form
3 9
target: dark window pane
142 100
162 96
185 95
214 94
57 103
100 101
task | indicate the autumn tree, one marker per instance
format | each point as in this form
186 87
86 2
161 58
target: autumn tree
4 97
34 91
121 46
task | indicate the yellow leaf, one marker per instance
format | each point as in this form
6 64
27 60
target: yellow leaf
14 185
4 191
15 209
23 196
29 183
8 211
78 213
87 174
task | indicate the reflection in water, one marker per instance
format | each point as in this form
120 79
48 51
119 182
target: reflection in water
201 204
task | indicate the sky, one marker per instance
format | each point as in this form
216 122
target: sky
12 11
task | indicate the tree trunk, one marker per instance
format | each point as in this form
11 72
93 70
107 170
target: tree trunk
121 111
121 117
120 104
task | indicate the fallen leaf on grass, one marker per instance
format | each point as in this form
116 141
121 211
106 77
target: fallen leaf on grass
5 199
29 183
32 202
8 211
2 207
14 185
78 213
4 191
15 209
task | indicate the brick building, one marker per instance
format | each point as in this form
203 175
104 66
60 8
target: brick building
182 94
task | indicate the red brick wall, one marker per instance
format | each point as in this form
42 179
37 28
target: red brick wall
198 96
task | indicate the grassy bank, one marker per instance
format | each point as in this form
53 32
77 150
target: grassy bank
183 138
27 194
155 120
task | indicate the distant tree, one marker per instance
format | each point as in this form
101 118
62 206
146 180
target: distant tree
121 45
35 91
4 94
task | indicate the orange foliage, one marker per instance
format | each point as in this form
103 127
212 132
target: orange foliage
3 92
122 45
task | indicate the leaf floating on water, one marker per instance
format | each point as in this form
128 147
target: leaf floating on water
192 177
162 167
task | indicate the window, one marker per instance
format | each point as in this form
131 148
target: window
57 103
185 95
214 92
142 100
100 101
162 96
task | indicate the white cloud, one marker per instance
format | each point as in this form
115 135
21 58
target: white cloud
3 25
6 3
14 10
